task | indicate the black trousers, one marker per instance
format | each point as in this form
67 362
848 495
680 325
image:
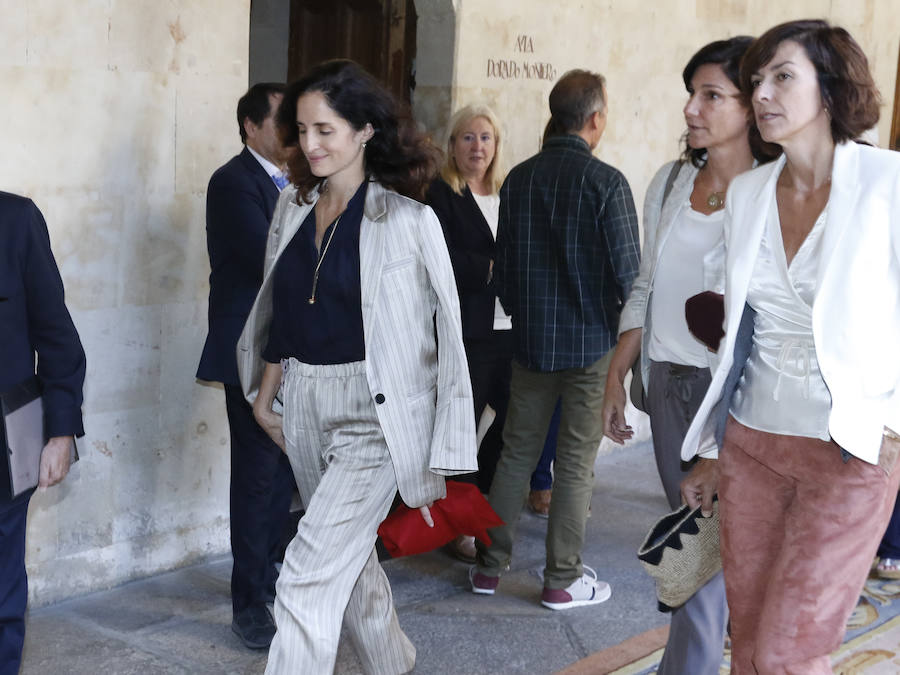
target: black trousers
489 369
13 582
261 487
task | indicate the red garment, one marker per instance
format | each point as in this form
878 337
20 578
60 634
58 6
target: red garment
463 511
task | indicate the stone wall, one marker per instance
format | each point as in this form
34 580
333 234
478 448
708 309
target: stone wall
115 114
509 52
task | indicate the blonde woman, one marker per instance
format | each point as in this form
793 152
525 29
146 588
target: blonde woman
466 201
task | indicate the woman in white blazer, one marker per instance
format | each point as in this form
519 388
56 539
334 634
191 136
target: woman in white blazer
684 254
357 323
805 403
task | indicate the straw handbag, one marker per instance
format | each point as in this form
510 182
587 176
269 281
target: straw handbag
681 553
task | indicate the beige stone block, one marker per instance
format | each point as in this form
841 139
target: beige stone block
101 131
180 36
207 133
86 235
68 34
144 35
717 10
215 38
123 357
13 33
165 260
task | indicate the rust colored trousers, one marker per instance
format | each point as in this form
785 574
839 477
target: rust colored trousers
799 531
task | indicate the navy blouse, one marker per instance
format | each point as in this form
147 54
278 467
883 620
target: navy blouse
330 330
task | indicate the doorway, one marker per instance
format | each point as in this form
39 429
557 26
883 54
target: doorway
380 35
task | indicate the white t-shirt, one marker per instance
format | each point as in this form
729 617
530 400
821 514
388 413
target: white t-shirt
679 275
490 209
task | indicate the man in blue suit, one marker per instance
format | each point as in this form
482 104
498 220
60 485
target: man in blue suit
34 321
239 205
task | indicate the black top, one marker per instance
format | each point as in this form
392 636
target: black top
331 329
471 246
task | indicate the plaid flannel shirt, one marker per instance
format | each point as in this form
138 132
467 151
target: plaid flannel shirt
568 251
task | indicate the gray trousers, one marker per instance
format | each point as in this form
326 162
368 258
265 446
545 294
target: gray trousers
697 628
331 572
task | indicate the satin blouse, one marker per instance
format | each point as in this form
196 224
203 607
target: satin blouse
782 390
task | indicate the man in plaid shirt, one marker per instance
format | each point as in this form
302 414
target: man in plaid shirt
567 253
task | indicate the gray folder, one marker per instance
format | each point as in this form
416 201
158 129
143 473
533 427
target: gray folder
23 435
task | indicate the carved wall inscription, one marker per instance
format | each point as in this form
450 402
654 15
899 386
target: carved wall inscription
518 68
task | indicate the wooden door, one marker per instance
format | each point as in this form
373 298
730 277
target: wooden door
380 35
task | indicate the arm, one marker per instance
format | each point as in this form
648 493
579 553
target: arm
635 309
700 485
613 415
620 228
61 361
271 422
60 357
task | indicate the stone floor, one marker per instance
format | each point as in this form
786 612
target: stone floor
179 622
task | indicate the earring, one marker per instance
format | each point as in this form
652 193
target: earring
364 145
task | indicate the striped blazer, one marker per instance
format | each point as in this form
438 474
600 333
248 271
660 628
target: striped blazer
415 361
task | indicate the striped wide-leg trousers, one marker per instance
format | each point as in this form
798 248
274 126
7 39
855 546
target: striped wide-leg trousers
331 572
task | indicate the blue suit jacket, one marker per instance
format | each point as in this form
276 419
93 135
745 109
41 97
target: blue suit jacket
240 201
34 322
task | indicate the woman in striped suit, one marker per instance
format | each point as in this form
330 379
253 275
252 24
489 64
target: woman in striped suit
357 322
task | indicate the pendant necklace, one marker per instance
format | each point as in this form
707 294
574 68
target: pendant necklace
716 200
312 295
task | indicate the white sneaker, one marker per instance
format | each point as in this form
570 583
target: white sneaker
584 591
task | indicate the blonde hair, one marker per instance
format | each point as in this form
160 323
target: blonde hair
450 172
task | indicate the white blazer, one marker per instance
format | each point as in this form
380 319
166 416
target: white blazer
659 217
415 360
856 308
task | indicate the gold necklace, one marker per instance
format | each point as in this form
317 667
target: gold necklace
312 295
716 200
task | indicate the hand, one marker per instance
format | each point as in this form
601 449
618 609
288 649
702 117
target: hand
426 514
613 413
55 461
700 486
272 423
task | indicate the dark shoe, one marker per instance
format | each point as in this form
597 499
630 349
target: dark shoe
539 502
463 548
254 626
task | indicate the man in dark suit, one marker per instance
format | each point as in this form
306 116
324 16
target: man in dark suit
239 205
34 321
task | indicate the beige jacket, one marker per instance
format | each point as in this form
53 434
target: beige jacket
415 360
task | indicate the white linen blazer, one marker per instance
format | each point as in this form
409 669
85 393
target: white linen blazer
659 217
415 361
856 308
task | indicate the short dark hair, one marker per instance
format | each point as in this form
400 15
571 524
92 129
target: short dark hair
398 155
726 54
848 91
255 105
576 96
